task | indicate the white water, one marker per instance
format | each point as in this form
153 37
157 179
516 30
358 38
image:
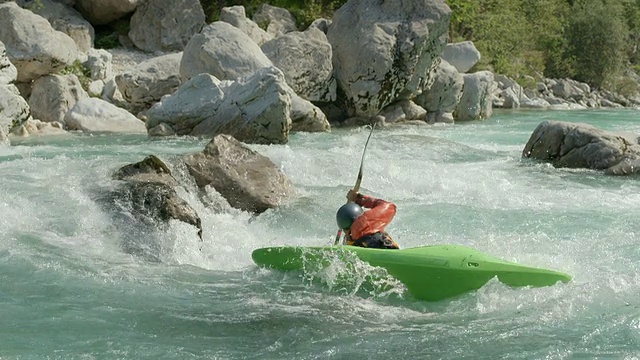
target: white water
69 290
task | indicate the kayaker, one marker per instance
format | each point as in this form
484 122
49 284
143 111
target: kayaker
366 228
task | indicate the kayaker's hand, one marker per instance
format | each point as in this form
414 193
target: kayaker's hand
352 195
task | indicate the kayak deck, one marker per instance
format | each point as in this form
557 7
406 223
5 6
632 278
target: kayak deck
429 273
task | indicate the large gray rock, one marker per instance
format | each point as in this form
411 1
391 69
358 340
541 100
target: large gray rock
246 179
306 117
103 12
384 51
476 101
166 25
275 20
4 139
570 89
194 102
444 94
146 83
99 64
305 59
67 20
32 45
255 109
463 55
223 51
403 111
508 93
95 115
236 16
14 109
148 192
53 95
8 72
34 127
577 145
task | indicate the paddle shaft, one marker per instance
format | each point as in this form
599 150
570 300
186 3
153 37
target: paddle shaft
356 187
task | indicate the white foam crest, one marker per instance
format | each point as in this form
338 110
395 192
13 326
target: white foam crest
347 274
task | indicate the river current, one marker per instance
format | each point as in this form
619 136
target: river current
70 288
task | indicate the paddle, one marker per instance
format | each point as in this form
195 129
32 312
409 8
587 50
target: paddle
356 187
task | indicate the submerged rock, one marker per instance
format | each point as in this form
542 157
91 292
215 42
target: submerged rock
247 180
577 145
149 193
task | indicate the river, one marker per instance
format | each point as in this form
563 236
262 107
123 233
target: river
71 288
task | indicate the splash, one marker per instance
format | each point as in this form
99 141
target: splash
343 272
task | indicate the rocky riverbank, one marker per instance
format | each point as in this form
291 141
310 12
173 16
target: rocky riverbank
255 78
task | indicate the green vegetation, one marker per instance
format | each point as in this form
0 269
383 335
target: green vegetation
107 40
592 41
78 69
107 37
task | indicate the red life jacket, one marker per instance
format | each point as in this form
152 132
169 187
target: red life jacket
374 220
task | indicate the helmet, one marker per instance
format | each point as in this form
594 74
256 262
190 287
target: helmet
347 214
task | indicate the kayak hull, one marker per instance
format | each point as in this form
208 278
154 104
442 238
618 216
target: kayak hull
429 273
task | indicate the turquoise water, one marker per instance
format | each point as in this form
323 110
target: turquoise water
69 290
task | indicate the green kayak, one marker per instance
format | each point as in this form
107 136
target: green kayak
429 273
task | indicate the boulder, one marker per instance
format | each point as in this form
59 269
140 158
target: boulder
95 115
444 94
146 83
32 45
476 100
52 96
4 139
110 93
8 72
511 99
440 117
274 20
463 55
305 59
67 20
509 94
255 109
578 145
535 103
247 180
165 25
223 51
148 192
96 88
570 89
385 51
195 101
105 11
306 117
34 127
236 16
14 109
321 24
99 64
403 111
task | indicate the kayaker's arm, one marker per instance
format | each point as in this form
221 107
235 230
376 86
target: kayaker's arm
368 202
